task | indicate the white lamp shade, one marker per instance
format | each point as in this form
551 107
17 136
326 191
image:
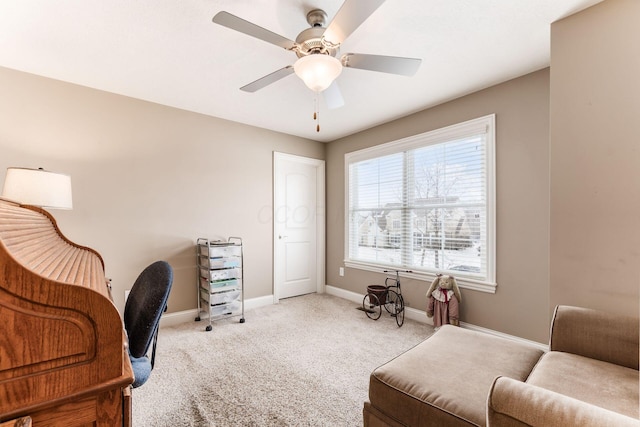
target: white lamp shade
38 187
317 71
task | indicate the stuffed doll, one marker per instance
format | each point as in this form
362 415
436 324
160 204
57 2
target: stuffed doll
443 301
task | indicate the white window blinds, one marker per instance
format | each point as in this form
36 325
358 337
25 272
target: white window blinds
425 203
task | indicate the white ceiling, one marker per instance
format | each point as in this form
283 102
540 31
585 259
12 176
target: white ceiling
169 52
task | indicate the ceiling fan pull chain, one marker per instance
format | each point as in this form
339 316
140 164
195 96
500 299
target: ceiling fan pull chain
316 111
315 106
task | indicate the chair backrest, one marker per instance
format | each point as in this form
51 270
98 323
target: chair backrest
145 304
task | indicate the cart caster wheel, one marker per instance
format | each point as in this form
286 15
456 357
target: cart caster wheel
198 319
242 320
208 328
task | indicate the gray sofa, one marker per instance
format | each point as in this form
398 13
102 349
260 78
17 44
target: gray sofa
458 377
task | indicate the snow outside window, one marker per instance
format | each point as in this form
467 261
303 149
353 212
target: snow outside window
426 203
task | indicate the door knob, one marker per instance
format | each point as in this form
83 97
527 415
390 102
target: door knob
282 237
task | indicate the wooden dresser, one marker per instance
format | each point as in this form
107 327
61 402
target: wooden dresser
63 360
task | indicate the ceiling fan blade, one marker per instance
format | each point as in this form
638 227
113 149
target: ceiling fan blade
231 21
352 13
383 64
268 79
333 96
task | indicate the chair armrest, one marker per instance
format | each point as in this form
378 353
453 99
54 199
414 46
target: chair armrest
514 403
596 334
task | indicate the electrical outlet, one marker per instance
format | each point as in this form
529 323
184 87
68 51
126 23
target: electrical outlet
341 271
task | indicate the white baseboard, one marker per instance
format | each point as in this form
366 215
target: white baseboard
543 347
176 318
421 316
258 302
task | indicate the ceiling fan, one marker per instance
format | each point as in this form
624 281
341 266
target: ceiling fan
318 49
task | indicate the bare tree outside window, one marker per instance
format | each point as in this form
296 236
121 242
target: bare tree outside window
439 226
423 204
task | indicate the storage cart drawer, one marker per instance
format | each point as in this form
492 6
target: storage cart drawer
222 251
219 310
219 285
229 262
224 274
224 297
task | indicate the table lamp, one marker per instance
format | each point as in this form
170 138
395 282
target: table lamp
38 187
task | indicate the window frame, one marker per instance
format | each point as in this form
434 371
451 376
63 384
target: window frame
481 125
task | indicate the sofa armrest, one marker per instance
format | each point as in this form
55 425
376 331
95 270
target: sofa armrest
596 334
514 403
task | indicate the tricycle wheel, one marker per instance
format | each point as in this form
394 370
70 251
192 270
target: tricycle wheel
399 310
371 306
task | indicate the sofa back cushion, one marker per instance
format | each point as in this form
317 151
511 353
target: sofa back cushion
596 334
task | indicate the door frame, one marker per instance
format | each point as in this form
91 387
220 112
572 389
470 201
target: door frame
319 165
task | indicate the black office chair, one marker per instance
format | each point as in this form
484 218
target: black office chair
145 304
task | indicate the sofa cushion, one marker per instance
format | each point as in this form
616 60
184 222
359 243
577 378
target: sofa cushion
445 379
604 384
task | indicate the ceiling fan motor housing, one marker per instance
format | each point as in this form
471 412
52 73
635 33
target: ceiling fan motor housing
309 41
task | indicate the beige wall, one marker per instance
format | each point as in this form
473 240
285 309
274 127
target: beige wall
147 179
595 158
519 307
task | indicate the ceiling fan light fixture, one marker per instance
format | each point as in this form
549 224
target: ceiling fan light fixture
317 71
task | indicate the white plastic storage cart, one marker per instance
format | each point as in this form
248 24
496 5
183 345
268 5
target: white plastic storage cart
220 286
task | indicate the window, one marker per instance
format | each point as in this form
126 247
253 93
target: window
426 203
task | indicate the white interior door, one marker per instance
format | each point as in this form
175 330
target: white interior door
298 225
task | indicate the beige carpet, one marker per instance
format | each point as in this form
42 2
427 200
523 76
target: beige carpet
303 362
